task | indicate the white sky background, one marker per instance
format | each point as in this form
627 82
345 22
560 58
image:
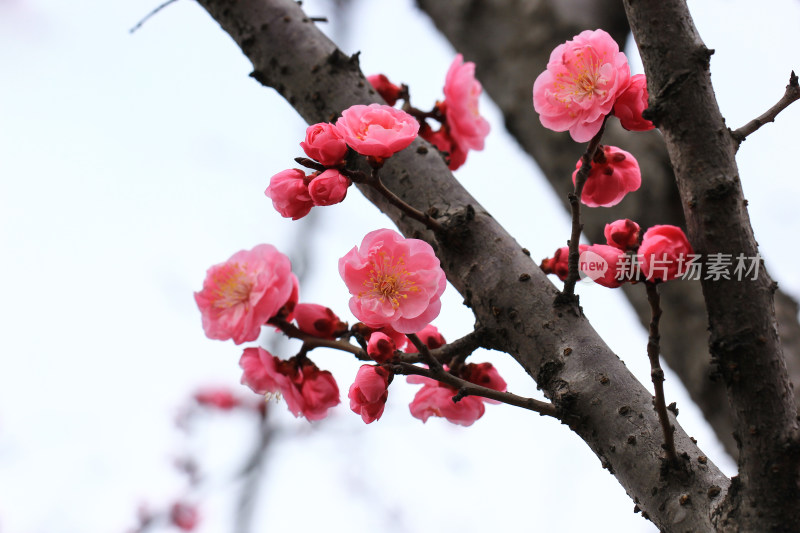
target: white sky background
130 164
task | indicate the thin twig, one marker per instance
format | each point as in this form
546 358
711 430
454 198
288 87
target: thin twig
656 373
375 182
150 15
453 353
310 341
792 93
465 388
575 206
425 353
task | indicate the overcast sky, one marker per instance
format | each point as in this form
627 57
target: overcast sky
131 163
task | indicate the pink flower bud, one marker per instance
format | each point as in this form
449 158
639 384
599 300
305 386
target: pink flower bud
289 193
317 320
664 253
430 337
184 516
377 130
630 104
614 174
369 392
380 347
388 90
328 188
220 398
622 234
443 142
485 375
324 144
559 263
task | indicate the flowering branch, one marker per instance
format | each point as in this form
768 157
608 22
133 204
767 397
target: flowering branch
575 206
311 341
656 373
465 388
792 93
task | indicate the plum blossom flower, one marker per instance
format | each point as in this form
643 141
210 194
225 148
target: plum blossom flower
430 337
559 263
664 253
328 188
324 143
630 104
244 292
388 90
466 126
369 391
622 234
614 174
289 193
318 320
436 398
308 391
380 347
377 130
441 139
184 516
394 281
218 397
601 264
583 79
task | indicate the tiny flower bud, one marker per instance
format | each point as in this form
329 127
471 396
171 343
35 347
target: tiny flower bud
388 90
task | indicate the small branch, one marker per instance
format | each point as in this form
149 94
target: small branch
150 15
375 182
465 388
575 206
310 163
656 373
792 93
455 352
425 354
310 341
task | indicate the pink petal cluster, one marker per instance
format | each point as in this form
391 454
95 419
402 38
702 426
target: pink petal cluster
664 253
614 174
184 516
583 79
600 263
244 292
393 281
388 90
622 234
466 126
369 392
630 104
436 398
324 143
220 398
430 337
308 391
328 188
288 190
559 263
318 320
443 141
380 347
377 130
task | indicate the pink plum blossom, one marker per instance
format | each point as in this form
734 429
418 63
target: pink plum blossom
630 104
324 143
388 90
289 193
430 337
622 234
377 130
441 139
664 253
380 347
460 107
317 320
614 174
600 255
369 391
218 397
244 292
394 281
485 375
559 263
583 79
328 188
184 516
308 391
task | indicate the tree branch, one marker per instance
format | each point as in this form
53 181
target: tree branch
744 334
792 93
587 383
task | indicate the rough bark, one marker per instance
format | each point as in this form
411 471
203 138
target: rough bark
596 395
517 38
745 346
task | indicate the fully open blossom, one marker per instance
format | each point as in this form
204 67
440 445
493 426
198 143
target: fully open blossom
460 107
244 292
328 188
380 347
394 281
324 143
289 193
441 139
308 391
318 320
614 174
388 90
436 398
622 234
583 79
601 264
368 392
430 337
377 130
664 253
219 397
630 104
